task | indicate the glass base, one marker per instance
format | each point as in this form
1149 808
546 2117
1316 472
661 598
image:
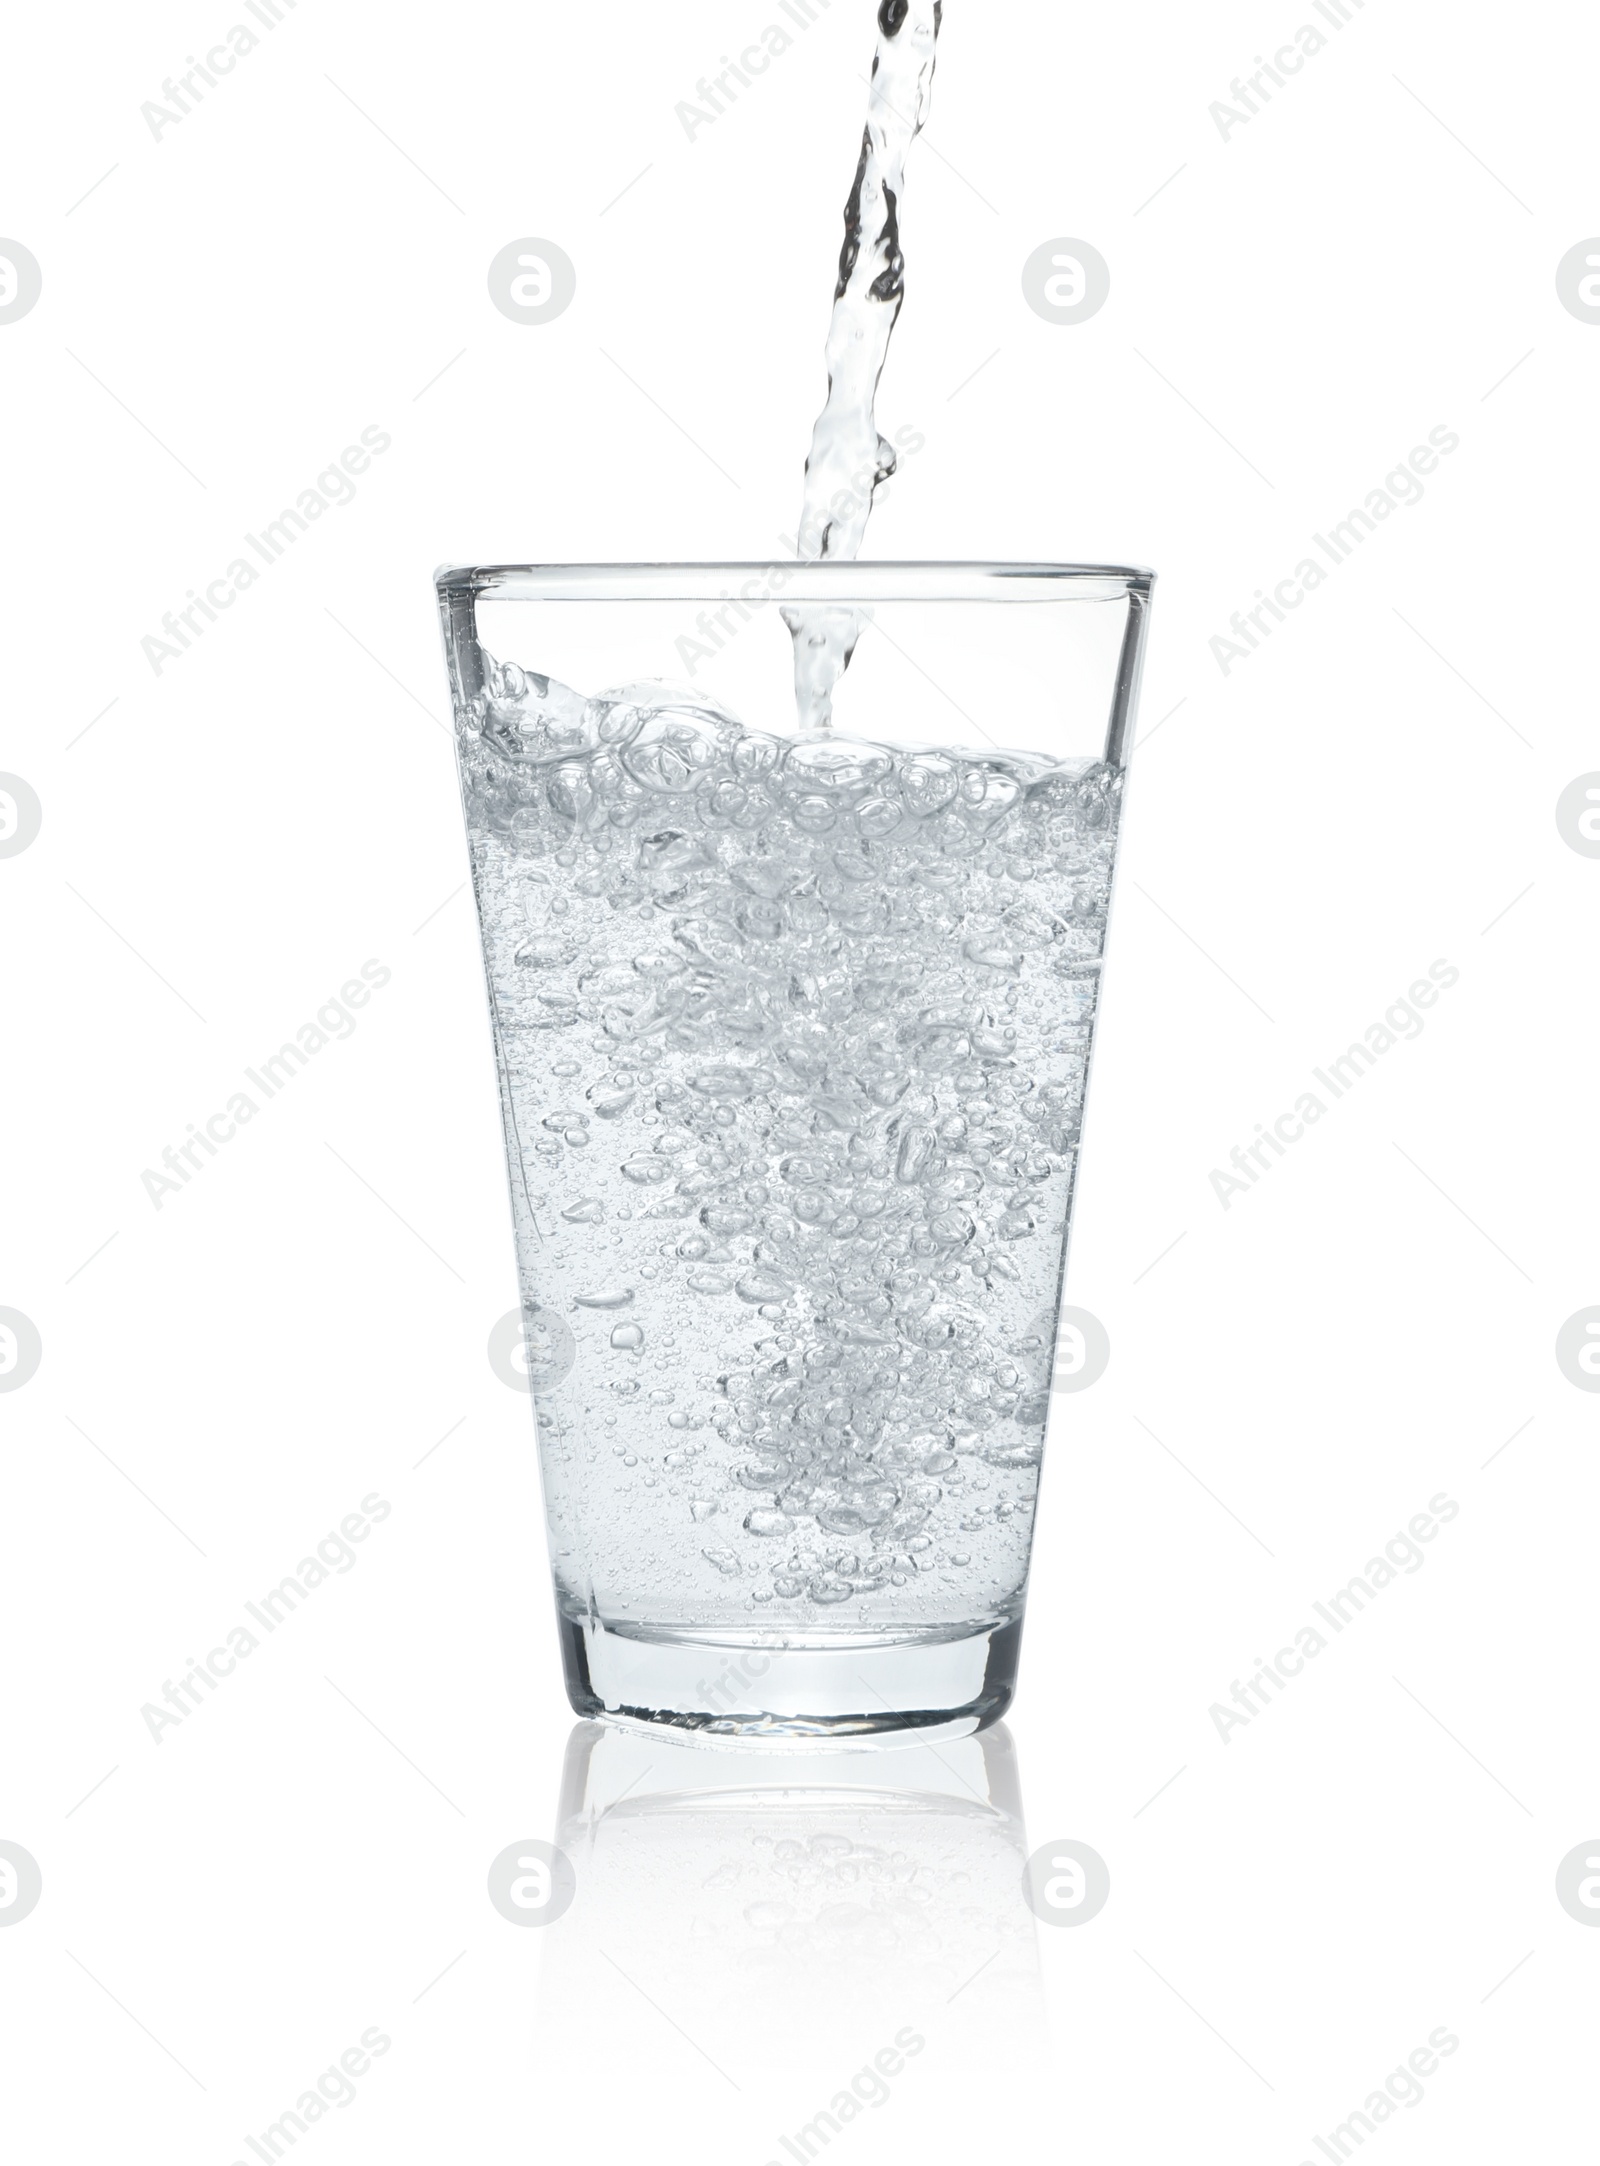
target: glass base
765 1689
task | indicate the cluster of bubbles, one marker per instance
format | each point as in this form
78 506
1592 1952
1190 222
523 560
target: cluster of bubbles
794 1035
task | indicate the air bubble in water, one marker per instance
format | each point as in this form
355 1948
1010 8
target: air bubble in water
825 1153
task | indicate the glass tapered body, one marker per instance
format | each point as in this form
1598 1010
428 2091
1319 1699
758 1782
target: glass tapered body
793 1035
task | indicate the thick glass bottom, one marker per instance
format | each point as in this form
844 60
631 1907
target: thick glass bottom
771 1689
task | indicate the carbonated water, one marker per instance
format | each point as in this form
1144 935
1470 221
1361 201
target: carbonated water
793 1036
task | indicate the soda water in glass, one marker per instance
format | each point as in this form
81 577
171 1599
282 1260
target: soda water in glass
793 1035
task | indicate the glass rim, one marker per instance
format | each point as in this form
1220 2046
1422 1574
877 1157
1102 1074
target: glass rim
830 579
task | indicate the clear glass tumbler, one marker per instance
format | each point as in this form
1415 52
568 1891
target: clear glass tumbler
793 1033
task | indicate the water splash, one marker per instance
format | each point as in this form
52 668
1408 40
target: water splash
846 445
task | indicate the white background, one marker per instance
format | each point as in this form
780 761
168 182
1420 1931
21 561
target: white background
223 844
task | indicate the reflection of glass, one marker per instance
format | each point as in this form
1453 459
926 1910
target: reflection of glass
793 1916
793 1035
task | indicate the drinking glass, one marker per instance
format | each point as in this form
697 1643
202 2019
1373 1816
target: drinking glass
793 1033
